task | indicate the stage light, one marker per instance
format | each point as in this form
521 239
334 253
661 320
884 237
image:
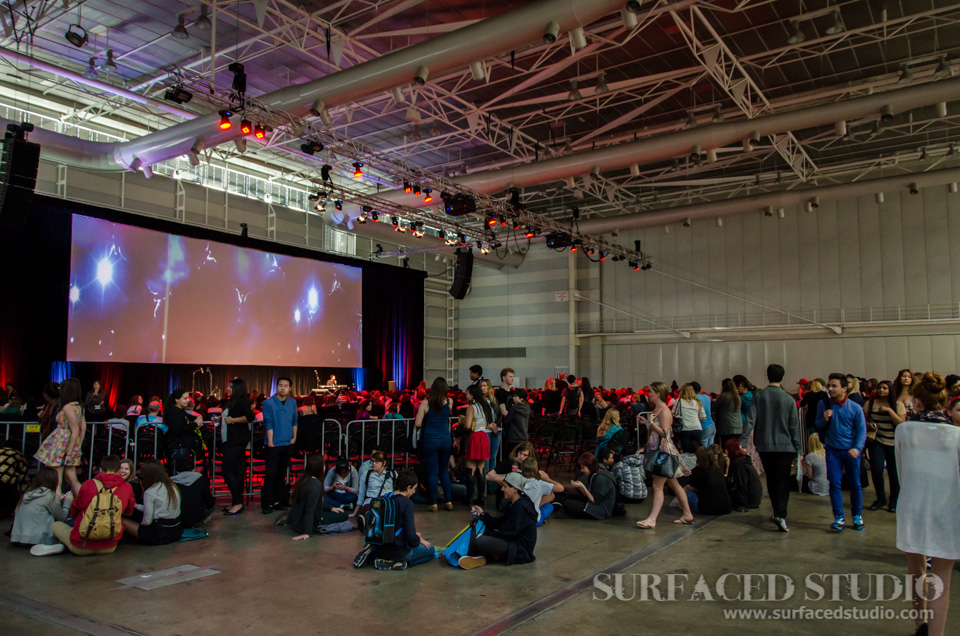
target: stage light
375 216
416 189
203 22
357 171
77 37
529 234
442 234
338 204
516 225
407 187
325 172
313 300
179 31
104 271
428 197
259 132
603 255
239 77
463 239
225 120
395 220
321 206
296 315
178 95
503 220
311 148
491 219
246 127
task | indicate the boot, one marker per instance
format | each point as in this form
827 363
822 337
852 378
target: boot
481 487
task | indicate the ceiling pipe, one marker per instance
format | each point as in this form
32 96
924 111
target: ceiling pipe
757 203
707 136
481 40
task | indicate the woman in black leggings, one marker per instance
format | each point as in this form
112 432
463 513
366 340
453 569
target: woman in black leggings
236 423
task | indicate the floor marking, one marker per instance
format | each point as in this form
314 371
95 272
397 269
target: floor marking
547 603
61 617
163 578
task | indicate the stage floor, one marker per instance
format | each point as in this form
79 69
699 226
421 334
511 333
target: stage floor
267 584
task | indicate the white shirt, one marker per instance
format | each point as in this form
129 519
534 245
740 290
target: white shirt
690 414
928 510
536 489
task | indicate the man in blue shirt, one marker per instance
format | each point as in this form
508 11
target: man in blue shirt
843 429
280 423
708 425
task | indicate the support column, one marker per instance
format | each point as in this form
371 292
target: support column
572 301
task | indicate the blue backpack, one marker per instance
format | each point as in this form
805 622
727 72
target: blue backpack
459 546
381 526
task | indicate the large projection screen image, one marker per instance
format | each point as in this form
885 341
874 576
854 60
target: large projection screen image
139 295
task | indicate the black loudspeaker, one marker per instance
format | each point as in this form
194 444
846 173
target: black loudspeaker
19 162
462 275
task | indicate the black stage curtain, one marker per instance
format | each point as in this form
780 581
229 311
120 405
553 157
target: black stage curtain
35 263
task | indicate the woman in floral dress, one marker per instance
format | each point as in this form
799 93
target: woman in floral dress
61 450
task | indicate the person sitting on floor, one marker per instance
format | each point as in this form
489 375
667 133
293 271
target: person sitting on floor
196 497
308 508
743 482
39 508
342 484
707 489
595 498
375 482
106 480
510 538
631 487
608 428
540 488
161 508
408 548
814 465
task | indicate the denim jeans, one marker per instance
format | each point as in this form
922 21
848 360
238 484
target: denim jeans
420 554
341 498
690 441
882 456
436 453
707 436
837 462
494 447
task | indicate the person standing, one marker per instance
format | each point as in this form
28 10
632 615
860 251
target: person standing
61 449
235 437
773 413
476 374
280 423
726 413
95 403
883 412
433 417
708 426
843 428
181 430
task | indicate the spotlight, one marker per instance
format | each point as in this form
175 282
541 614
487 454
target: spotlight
781 213
837 27
516 225
416 189
225 120
246 127
428 197
633 6
364 211
375 216
503 220
259 131
395 221
578 39
754 138
325 172
422 74
635 265
768 211
239 77
76 35
477 71
573 246
407 187
879 197
601 87
321 206
840 128
551 33
574 94
463 239
357 170
91 70
886 113
695 153
808 207
442 234
319 109
603 255
815 202
629 19
110 66
311 148
338 204
687 221
178 95
940 110
796 35
180 31
530 232
914 189
203 22
491 219
952 187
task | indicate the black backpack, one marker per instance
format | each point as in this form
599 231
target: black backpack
381 526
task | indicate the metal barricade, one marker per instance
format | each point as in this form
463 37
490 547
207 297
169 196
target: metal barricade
361 427
92 428
27 429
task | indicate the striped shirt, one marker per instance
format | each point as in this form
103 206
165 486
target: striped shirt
885 425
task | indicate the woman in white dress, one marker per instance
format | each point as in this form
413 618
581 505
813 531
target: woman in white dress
928 462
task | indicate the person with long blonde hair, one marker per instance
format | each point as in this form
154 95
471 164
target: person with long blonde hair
608 428
814 465
663 459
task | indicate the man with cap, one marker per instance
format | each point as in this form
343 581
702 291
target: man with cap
509 538
802 386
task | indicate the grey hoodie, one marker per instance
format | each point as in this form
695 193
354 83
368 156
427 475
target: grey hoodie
35 517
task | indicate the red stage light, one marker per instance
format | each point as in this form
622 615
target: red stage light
245 126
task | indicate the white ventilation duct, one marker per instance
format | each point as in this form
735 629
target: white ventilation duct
478 41
758 203
708 137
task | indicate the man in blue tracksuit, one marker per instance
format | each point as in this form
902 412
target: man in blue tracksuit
843 429
280 423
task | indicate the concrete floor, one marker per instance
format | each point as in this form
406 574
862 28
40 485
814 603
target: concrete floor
269 584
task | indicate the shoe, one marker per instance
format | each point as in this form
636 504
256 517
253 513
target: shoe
45 550
383 564
893 508
448 505
281 519
280 506
432 508
227 513
266 511
858 523
839 523
470 563
876 505
361 523
361 559
923 630
781 523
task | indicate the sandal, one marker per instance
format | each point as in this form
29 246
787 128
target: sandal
685 522
644 526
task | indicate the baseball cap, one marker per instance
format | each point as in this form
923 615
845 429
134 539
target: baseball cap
803 382
515 480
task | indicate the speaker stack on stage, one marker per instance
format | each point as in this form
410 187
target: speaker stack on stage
19 162
462 274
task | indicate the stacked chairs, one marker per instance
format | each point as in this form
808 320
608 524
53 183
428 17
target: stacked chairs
542 440
566 446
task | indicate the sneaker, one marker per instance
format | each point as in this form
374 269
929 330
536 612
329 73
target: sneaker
781 524
469 562
448 505
281 519
839 523
280 506
44 550
858 523
877 505
361 559
266 511
384 564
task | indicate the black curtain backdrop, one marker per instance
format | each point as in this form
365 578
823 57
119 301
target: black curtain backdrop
35 263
